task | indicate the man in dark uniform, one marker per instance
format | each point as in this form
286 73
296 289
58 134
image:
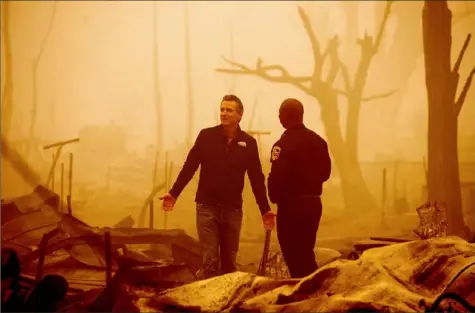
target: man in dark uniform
225 153
300 165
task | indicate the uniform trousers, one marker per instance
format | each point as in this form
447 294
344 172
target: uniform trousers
297 225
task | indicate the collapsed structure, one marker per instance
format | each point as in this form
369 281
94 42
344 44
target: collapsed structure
136 269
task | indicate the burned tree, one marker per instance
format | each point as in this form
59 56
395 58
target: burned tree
7 97
444 108
189 83
34 76
321 87
156 88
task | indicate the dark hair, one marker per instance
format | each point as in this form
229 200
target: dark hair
240 107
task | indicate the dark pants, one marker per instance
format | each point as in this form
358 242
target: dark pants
219 229
297 226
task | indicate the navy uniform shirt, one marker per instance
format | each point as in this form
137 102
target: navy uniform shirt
300 165
223 167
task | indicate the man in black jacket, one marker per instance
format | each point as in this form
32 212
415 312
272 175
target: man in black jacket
225 153
300 165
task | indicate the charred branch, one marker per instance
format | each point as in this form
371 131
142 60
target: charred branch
264 72
462 53
463 93
317 55
456 76
369 48
48 33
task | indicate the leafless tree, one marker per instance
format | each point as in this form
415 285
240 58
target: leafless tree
7 97
322 87
442 82
189 82
156 79
34 75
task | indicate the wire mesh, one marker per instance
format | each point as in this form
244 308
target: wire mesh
433 220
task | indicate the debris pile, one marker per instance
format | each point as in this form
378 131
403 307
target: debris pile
145 270
397 278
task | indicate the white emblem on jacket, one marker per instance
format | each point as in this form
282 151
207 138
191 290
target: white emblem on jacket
275 153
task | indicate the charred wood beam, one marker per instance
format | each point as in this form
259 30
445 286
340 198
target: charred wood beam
61 143
175 237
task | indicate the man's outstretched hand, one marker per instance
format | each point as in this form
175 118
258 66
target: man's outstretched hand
269 220
168 202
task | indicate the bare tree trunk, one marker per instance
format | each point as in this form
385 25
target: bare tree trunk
156 80
444 108
34 76
189 83
356 194
7 97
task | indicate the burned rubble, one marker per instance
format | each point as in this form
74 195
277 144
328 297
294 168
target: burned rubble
142 270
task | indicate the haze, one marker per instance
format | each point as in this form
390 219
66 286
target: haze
97 68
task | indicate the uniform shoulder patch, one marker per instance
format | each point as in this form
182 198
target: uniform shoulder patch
275 153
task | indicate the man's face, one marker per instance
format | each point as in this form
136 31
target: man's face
229 113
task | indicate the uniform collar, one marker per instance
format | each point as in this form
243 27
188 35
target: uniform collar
296 127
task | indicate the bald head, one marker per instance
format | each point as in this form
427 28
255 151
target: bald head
291 113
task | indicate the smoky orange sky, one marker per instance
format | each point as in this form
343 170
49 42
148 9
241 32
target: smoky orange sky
97 68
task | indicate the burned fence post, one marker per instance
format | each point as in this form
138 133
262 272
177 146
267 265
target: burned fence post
59 145
61 197
168 182
383 198
151 218
70 210
167 185
108 253
52 178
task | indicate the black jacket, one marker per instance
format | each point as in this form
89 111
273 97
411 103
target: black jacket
222 169
300 165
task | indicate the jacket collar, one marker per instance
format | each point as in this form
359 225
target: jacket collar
239 132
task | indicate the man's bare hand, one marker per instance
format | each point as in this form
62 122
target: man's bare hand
168 202
269 220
